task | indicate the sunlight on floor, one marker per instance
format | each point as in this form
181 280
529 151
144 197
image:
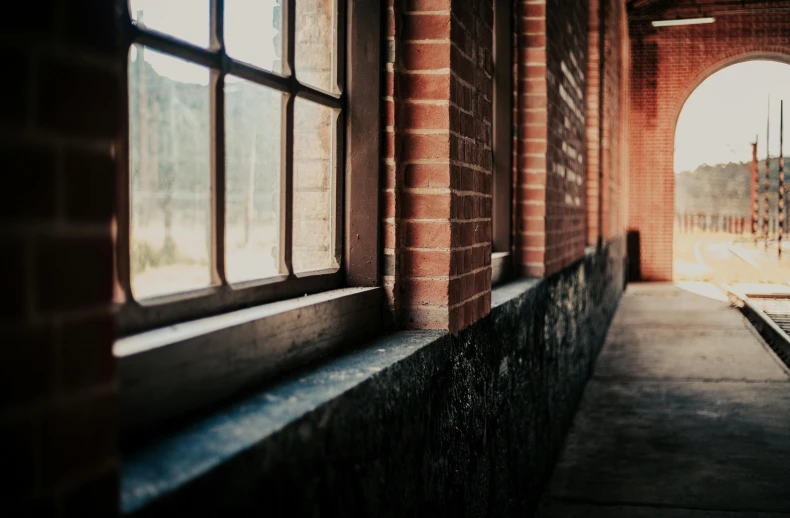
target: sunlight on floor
704 289
760 288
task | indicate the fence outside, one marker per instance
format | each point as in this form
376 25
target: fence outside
718 223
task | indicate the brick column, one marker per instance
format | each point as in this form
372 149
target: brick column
59 117
593 124
438 163
615 77
533 140
551 213
605 158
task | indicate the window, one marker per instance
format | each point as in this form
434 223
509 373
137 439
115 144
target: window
501 262
248 179
234 187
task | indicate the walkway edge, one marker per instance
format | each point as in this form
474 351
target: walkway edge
777 340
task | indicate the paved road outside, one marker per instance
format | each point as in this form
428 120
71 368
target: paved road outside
687 415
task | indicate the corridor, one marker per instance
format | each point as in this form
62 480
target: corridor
686 415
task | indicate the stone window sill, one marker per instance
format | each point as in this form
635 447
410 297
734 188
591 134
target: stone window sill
156 475
169 373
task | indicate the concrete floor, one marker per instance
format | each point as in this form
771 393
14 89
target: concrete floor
687 415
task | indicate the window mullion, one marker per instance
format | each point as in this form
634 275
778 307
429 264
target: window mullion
339 44
289 36
218 25
218 147
317 96
169 45
286 225
259 76
287 198
338 182
124 203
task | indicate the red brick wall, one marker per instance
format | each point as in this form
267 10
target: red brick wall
59 116
593 123
532 117
566 68
551 219
471 159
668 63
437 162
607 153
624 137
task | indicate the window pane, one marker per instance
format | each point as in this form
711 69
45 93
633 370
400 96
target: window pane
315 41
314 187
184 19
170 228
253 119
253 32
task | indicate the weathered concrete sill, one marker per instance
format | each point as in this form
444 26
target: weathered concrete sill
184 456
387 430
194 452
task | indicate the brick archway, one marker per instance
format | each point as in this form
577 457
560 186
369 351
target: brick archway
668 65
779 56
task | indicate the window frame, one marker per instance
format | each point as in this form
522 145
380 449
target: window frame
354 175
192 351
502 265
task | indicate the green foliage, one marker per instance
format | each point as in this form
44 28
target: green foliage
724 189
145 256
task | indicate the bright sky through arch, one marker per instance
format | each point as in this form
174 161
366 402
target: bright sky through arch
722 116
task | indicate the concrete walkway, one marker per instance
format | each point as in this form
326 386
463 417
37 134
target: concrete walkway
687 415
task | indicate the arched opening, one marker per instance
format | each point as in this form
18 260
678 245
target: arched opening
722 115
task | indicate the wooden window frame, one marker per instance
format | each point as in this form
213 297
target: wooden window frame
228 319
357 265
502 214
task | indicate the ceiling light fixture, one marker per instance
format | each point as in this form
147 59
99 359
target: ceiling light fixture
686 21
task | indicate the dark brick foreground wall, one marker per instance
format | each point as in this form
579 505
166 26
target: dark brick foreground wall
465 426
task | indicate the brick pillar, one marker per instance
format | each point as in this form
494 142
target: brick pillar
551 209
533 122
471 173
59 117
593 123
625 118
438 163
606 109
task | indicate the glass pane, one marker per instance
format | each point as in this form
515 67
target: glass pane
253 32
315 42
184 19
170 175
253 119
314 187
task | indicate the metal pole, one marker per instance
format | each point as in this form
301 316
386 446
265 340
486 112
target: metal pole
780 201
767 208
755 193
